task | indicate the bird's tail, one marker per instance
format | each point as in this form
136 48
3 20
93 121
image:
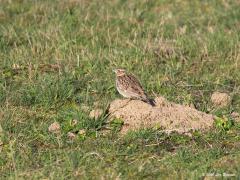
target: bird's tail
150 101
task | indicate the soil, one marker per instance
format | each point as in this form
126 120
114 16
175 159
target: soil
220 100
167 115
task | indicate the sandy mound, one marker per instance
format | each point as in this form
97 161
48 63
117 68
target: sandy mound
170 116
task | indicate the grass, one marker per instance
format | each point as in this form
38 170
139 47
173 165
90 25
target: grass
56 57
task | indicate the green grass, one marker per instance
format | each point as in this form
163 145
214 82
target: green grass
183 50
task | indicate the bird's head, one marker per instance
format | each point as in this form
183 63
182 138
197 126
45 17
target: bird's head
119 72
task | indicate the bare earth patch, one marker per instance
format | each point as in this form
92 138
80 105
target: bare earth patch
168 115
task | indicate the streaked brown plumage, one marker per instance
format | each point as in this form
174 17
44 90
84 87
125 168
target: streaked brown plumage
129 86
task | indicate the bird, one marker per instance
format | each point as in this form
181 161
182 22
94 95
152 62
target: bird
130 87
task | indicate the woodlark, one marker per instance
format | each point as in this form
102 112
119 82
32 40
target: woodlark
129 86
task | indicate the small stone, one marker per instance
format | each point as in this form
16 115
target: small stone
71 135
220 99
96 113
54 127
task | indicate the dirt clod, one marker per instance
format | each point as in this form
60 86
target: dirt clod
220 100
71 135
235 116
168 115
54 127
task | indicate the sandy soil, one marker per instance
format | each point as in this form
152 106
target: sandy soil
167 115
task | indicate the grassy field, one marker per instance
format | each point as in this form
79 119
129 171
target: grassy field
56 57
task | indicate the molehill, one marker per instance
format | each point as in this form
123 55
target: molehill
167 115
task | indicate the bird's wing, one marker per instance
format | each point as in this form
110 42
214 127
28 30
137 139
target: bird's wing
135 86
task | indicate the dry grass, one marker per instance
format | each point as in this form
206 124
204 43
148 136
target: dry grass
56 57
